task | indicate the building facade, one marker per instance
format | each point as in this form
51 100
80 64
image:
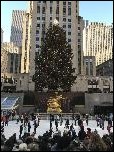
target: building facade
105 69
2 35
4 60
98 41
80 44
89 66
37 19
13 57
16 27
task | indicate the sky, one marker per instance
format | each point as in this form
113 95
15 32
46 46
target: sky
94 11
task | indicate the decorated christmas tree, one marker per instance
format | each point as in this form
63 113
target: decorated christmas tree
53 68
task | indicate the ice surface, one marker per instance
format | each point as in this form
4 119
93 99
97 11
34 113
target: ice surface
44 126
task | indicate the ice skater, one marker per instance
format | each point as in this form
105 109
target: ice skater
50 124
35 126
21 129
56 124
29 127
67 123
61 120
87 116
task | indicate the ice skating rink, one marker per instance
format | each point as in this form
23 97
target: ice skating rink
44 126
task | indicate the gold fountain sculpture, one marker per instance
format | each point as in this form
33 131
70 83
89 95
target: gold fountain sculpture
54 104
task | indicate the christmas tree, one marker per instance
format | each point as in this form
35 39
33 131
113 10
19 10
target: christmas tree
54 64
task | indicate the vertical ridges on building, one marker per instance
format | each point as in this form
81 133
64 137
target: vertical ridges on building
16 27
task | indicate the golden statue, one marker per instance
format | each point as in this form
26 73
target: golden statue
54 104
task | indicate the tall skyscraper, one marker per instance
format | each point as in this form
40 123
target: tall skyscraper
37 19
11 58
16 27
98 41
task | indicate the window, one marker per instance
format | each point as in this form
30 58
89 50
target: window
64 11
37 38
78 28
78 40
38 25
69 20
51 1
57 2
50 10
43 18
37 46
69 11
69 26
38 18
37 31
69 40
50 18
44 1
64 19
79 34
69 33
69 3
64 3
38 9
43 10
64 26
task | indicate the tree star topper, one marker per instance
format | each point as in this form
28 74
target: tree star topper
55 22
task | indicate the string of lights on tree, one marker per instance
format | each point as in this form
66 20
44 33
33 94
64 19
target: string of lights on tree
54 64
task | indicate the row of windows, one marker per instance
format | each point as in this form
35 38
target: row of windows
43 25
64 2
64 19
57 10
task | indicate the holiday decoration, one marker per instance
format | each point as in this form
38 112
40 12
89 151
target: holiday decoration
54 104
53 65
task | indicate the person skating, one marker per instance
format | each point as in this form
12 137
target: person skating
71 127
61 120
26 120
38 121
56 124
29 127
50 124
87 119
75 121
21 129
80 122
67 123
22 117
35 126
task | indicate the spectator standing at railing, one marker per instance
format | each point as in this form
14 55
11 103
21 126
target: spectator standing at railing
7 120
4 120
